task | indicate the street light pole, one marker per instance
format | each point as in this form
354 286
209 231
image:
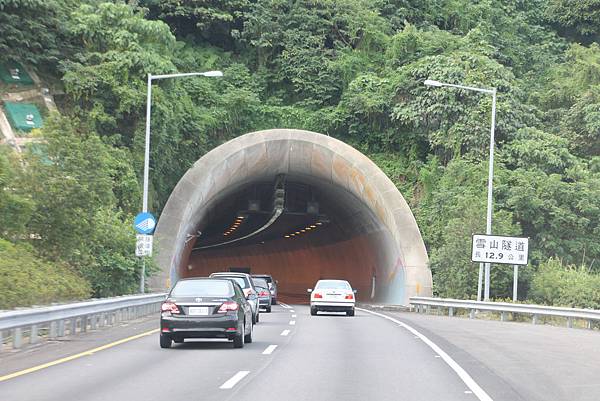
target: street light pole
488 229
147 145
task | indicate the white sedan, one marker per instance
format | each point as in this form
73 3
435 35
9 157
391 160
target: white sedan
332 296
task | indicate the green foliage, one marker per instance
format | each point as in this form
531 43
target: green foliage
213 20
33 31
581 17
15 209
26 279
567 285
76 216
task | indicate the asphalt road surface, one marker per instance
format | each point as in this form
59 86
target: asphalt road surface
296 356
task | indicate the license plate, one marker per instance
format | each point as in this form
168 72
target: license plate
198 311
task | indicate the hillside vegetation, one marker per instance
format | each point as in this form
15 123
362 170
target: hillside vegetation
353 69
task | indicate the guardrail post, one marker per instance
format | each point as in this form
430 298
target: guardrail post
61 328
450 311
534 319
52 332
472 314
589 326
503 316
1 341
33 334
570 322
17 337
84 320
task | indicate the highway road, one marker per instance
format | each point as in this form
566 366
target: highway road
296 356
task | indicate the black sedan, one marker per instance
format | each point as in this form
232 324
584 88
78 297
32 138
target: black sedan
206 308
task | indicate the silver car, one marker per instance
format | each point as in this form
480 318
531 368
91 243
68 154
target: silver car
245 281
272 283
264 295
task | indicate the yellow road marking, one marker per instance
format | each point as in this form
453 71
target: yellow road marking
70 358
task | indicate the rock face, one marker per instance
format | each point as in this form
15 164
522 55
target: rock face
382 254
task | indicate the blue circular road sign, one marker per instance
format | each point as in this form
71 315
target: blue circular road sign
144 223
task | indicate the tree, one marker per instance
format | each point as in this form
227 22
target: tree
77 218
33 31
15 208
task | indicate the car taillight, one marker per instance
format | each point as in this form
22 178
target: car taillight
317 295
170 307
228 306
349 296
264 294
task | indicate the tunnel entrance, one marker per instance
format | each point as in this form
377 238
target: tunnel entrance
299 206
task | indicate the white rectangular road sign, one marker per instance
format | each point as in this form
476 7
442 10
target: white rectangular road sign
499 249
143 246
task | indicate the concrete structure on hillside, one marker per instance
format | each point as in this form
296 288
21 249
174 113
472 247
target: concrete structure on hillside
370 236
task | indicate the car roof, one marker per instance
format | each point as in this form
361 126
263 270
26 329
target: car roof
334 280
230 274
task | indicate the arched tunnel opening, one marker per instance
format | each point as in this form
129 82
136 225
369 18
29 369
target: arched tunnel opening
299 206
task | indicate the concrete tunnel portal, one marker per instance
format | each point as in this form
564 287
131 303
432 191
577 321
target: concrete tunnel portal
300 206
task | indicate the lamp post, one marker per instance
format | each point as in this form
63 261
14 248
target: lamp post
488 230
147 146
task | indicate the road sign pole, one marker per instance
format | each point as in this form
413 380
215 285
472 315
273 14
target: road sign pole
515 282
143 276
480 282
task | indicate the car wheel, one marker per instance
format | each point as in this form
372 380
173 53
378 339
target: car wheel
350 312
257 317
248 337
165 341
238 340
274 301
313 311
269 309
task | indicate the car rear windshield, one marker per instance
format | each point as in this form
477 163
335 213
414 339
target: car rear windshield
206 288
260 282
268 279
334 285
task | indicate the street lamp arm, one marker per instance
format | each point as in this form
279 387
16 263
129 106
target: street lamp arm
188 74
472 88
431 82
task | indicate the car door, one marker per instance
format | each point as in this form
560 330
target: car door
244 306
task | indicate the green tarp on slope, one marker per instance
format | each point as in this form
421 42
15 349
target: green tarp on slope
23 116
12 72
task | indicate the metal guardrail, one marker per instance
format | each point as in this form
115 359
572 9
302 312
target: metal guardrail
422 305
55 321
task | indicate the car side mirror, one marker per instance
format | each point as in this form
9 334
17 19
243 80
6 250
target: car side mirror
309 290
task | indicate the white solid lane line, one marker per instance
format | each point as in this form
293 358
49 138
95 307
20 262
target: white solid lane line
286 306
269 350
285 332
292 322
234 380
464 376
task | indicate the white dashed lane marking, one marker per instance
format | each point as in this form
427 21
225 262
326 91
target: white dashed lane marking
234 380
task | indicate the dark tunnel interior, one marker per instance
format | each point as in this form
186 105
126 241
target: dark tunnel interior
322 232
